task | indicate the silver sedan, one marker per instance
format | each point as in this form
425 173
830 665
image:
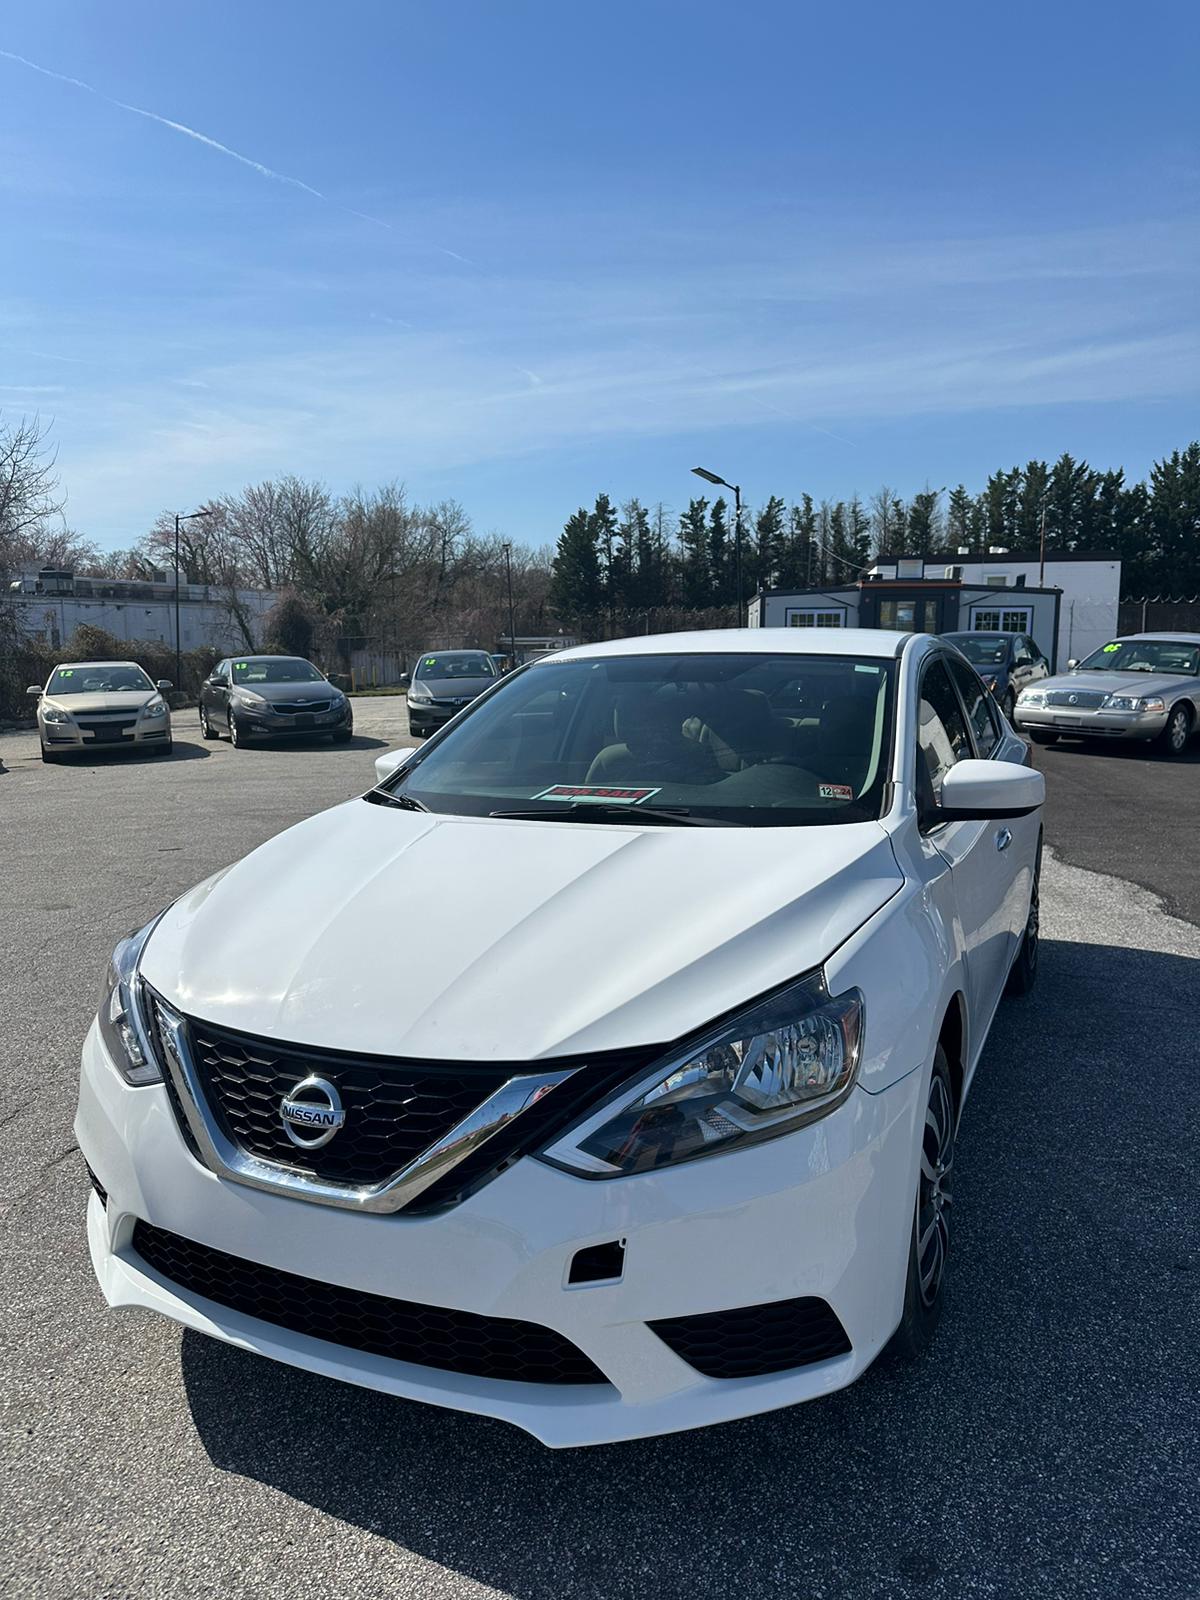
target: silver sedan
1142 686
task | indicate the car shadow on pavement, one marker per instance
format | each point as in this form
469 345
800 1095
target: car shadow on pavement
181 750
1040 1445
360 741
1126 750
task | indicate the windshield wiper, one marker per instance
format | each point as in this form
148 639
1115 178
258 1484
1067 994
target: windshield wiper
402 802
590 811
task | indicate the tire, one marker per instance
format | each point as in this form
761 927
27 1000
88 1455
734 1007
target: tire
206 727
51 757
164 749
1008 705
238 737
342 735
1023 973
1041 738
1173 740
924 1289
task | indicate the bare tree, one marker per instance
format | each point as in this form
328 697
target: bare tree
29 491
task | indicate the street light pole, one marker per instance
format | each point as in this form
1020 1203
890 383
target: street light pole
711 477
512 626
191 517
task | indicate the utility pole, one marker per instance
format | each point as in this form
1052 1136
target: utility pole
512 626
191 517
711 477
1042 569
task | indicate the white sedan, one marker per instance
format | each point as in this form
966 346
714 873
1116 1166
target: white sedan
600 1069
101 704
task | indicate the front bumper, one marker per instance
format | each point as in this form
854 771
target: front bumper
826 1211
67 737
274 725
425 716
1088 724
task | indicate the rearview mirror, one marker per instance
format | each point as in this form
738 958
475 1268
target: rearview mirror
35 691
974 791
164 684
392 760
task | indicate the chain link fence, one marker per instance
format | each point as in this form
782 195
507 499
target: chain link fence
1159 614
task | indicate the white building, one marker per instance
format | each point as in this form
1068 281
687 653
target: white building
50 604
1070 607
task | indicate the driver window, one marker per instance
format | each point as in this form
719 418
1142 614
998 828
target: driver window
942 737
979 708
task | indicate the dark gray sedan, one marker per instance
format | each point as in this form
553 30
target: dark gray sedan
444 682
264 697
1143 686
1007 663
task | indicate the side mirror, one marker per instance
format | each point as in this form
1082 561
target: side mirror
164 684
974 791
403 680
392 760
35 691
1072 663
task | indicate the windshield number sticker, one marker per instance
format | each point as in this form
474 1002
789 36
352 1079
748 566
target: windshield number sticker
241 666
66 672
835 791
1109 648
591 794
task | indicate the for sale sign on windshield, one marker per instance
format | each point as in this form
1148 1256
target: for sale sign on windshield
583 793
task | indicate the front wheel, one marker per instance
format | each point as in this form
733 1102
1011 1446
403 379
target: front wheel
1008 705
929 1248
1040 738
206 727
342 735
51 757
1174 737
238 737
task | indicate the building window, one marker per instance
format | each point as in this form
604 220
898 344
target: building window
815 619
909 616
1016 620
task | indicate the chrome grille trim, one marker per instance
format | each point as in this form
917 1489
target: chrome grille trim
1078 699
224 1158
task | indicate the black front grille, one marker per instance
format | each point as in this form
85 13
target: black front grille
299 708
394 1109
107 731
752 1340
430 1336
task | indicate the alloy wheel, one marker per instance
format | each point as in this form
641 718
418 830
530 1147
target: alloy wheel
1177 730
933 1204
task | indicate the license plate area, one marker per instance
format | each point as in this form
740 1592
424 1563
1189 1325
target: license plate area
1068 722
303 721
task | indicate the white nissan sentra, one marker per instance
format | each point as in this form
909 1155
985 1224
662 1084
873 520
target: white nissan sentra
599 1070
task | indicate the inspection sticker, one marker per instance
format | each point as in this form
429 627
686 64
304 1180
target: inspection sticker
593 794
835 791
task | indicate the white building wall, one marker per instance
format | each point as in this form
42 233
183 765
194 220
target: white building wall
1091 594
53 618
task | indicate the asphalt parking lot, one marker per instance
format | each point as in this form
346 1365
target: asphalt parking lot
1046 1447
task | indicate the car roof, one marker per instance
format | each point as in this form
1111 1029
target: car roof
464 650
73 666
238 656
984 633
746 641
1164 638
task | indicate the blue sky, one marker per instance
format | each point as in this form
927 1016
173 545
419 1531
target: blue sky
517 253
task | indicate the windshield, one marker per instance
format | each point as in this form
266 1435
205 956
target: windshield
762 740
1145 655
104 679
980 650
456 666
276 669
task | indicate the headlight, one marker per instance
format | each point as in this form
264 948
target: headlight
418 691
246 697
1132 702
154 707
782 1063
1031 697
122 1022
54 714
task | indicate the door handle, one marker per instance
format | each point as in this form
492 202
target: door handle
1003 839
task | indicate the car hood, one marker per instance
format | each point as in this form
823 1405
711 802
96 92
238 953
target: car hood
455 688
1138 683
82 705
275 693
459 938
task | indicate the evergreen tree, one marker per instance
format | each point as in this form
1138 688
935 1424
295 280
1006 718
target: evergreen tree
858 533
959 509
841 566
798 561
614 568
1173 517
1035 481
769 539
721 567
924 522
576 592
695 577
